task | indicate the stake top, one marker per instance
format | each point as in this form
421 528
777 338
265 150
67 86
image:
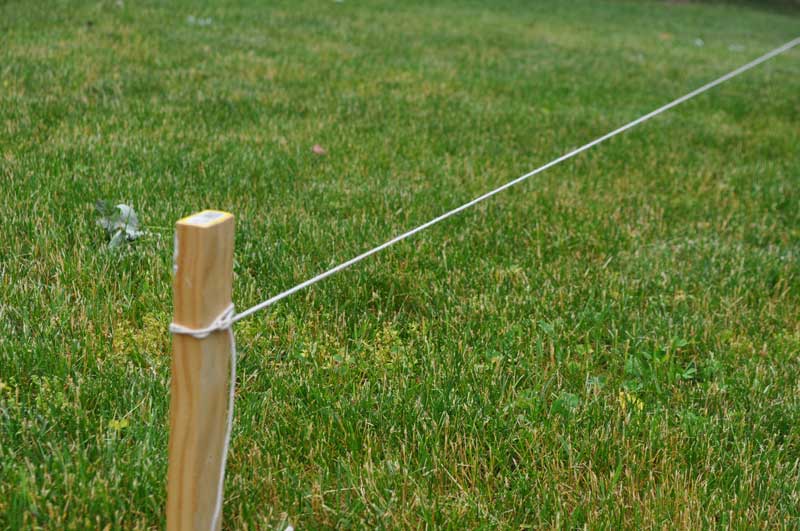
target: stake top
206 218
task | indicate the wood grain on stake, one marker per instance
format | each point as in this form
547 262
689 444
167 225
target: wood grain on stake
198 404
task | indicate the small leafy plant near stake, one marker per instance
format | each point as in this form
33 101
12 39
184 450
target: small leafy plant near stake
120 223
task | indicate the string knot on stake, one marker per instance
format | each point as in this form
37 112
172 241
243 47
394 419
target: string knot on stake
223 323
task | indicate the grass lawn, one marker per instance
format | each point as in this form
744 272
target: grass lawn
613 343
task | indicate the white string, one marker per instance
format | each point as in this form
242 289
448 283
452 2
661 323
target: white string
226 319
629 125
221 324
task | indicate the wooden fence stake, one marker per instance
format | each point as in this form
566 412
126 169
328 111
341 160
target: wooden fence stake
200 368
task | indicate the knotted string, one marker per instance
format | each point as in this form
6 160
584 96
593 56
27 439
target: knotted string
222 323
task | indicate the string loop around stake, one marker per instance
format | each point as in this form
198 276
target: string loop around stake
223 323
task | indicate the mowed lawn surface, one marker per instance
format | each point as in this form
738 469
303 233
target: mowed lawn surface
614 343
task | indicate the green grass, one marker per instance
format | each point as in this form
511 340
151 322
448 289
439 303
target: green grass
473 377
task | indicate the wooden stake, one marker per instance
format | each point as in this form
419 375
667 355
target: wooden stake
200 369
